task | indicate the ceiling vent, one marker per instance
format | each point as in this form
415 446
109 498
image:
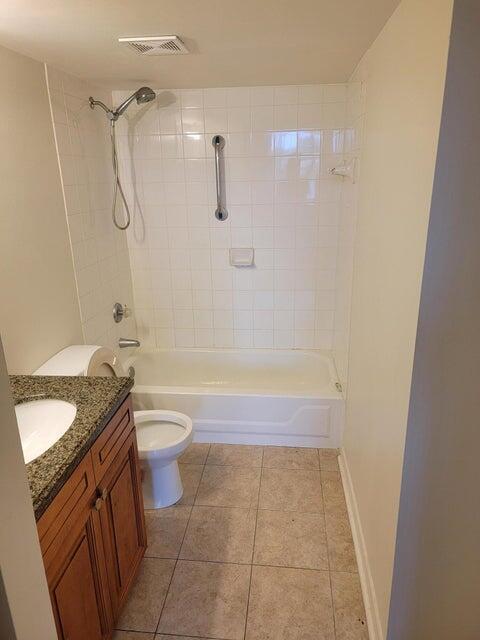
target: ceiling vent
156 45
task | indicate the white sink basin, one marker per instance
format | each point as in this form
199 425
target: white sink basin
41 423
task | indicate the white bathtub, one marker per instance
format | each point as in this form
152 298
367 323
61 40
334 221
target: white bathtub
243 396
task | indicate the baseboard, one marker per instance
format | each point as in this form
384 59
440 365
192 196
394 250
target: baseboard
368 589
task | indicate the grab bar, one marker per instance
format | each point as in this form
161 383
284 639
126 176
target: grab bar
218 143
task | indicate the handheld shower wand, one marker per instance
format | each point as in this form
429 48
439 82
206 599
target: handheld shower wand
142 96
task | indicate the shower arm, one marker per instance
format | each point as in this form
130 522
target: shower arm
144 94
98 103
122 107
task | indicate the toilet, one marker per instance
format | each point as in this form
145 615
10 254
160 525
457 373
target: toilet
162 435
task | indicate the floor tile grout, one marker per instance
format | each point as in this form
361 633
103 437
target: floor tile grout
278 467
323 481
176 635
180 548
223 506
263 465
255 564
328 554
249 466
253 551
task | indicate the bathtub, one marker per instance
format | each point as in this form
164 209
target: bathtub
245 396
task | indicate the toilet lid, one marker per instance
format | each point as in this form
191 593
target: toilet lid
157 434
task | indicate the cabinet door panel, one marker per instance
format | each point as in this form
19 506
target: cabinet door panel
77 581
124 526
76 599
70 501
123 521
109 442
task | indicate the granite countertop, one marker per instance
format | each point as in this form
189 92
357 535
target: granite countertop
96 400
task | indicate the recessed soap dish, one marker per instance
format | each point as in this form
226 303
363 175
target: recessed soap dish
345 170
243 257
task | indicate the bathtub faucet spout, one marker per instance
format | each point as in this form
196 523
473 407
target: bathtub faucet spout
128 342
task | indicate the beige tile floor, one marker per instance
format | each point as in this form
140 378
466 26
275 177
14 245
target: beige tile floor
258 548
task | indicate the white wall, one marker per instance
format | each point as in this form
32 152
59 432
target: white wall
100 254
23 574
405 70
280 143
436 582
39 309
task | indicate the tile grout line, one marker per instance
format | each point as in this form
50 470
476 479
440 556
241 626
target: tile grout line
253 547
180 549
328 548
246 466
255 564
251 564
175 635
222 506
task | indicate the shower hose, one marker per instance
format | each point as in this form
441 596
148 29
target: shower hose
117 184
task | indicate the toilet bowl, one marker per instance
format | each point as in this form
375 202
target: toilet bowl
161 435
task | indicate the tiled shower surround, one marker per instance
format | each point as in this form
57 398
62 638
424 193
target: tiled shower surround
356 97
100 253
282 201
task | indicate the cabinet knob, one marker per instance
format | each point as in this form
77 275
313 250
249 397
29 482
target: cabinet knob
102 493
98 504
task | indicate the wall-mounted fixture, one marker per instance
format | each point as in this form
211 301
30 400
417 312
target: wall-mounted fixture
120 311
242 257
345 170
124 343
141 96
218 143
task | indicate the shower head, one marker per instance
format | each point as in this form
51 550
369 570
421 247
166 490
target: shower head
142 96
145 94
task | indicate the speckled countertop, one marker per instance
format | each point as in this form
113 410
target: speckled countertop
96 400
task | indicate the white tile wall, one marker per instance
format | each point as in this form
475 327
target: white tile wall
280 144
100 252
356 98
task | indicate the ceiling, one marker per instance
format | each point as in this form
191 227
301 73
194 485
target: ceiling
232 42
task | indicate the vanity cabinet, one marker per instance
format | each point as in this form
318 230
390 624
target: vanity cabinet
122 521
72 545
92 535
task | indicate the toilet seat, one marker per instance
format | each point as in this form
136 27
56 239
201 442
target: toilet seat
162 433
161 436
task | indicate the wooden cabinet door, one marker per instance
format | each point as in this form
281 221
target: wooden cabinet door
123 520
76 575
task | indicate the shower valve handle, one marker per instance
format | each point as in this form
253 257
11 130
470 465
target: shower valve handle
121 311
